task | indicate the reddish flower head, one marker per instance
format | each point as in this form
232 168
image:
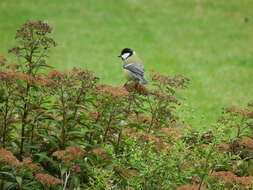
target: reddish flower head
76 169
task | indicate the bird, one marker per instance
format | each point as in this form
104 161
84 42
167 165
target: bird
133 68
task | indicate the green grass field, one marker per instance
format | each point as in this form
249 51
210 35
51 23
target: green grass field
208 41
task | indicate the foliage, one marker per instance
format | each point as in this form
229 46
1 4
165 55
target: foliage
64 130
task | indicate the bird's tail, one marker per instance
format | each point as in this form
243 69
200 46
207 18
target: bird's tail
144 81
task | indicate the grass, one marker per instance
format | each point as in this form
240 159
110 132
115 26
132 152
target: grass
207 41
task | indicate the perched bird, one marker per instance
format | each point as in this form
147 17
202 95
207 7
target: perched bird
132 66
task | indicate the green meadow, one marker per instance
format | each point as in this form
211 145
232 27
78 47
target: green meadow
209 41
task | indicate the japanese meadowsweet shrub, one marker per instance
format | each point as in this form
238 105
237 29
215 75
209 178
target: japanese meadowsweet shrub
64 130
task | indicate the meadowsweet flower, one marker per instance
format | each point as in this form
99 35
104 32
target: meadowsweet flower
125 172
83 75
170 132
115 92
141 118
44 81
236 110
158 142
40 28
11 76
247 142
136 88
70 154
28 163
231 179
6 157
94 114
77 77
163 96
12 66
246 181
57 75
101 153
196 180
191 187
177 81
47 180
224 147
250 104
76 169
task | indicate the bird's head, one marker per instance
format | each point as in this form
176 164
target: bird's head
125 53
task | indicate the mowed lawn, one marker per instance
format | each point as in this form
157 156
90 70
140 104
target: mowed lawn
209 41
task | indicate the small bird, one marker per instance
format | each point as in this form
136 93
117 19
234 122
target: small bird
132 66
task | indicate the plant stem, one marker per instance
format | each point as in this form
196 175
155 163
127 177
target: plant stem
63 131
5 121
108 126
24 119
26 101
66 180
118 142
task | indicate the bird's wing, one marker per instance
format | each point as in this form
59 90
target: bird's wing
134 68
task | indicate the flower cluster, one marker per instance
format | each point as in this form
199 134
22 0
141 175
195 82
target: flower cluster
237 110
101 153
246 142
47 180
159 143
177 81
6 157
136 88
76 77
28 163
115 92
250 104
230 178
125 172
191 187
76 169
72 153
9 76
40 27
141 118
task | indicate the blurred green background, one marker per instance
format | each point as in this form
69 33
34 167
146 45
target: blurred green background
209 41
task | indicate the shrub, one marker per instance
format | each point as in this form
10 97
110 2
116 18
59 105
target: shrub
65 130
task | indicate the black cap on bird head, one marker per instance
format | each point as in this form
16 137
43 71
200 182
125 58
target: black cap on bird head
125 53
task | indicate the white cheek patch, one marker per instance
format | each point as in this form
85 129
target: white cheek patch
125 55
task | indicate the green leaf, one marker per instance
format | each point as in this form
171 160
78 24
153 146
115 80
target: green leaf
8 174
43 156
19 180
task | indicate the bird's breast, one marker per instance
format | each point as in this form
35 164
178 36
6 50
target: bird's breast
128 74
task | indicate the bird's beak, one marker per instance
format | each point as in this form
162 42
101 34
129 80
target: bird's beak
119 56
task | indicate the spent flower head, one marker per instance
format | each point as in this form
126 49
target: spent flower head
70 154
47 180
28 163
136 88
231 179
114 92
6 157
76 169
178 81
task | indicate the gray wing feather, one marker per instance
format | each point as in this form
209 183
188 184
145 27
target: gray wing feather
137 71
134 68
